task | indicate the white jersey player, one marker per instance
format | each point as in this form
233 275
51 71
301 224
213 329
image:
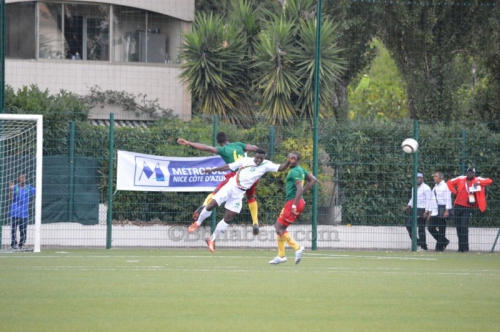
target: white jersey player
249 170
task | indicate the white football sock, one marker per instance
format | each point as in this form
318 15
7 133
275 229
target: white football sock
220 229
204 214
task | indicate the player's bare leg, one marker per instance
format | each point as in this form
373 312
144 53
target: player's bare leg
204 214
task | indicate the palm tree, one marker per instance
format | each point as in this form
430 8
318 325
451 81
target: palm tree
286 57
213 68
277 81
331 66
260 64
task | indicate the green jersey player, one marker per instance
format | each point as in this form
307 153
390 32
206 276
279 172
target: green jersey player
229 152
296 180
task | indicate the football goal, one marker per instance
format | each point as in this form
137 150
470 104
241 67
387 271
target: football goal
21 150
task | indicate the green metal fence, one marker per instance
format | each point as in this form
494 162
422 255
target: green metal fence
365 180
387 61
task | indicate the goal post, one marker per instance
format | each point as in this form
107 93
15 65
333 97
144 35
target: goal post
21 152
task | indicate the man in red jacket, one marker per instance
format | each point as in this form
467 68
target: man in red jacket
470 193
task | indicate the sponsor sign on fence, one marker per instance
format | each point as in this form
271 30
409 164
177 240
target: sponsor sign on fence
143 172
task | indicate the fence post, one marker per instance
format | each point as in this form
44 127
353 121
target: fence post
214 143
415 191
317 59
495 242
464 143
71 197
2 56
3 214
110 180
2 96
272 140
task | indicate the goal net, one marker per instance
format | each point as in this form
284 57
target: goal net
21 142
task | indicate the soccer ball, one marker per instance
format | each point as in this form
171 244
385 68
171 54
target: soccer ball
409 145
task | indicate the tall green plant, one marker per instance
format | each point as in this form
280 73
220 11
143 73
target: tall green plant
213 68
265 65
331 66
278 80
286 58
244 13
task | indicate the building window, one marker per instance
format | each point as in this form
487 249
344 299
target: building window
74 31
50 36
143 36
20 30
83 32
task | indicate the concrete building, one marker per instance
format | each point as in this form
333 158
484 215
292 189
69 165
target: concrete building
118 45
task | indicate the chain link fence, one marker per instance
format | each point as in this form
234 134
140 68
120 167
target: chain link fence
365 179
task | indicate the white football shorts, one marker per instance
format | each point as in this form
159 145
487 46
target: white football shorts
232 196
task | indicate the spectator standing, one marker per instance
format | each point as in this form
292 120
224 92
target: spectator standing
20 199
440 210
470 193
423 210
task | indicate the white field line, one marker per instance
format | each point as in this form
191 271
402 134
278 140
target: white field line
289 268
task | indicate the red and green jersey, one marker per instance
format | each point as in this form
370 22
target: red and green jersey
231 151
295 174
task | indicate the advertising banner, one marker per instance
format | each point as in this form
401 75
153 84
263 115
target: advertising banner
143 172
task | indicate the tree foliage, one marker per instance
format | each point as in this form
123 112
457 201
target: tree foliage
214 70
424 40
375 175
379 93
277 82
57 110
357 27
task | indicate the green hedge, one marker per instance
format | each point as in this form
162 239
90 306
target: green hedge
376 176
361 164
161 139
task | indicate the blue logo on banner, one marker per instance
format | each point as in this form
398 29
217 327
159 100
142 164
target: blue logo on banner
147 175
159 173
175 172
148 172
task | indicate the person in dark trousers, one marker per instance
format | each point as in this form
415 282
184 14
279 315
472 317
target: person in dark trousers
20 199
440 211
423 210
470 193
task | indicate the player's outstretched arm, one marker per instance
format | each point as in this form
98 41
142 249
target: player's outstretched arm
284 166
250 147
197 146
216 169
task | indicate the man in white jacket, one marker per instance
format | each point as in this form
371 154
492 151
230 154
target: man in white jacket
440 210
423 210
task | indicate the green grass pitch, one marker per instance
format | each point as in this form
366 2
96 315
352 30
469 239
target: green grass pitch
237 290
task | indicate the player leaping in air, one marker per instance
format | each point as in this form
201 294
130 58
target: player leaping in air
250 170
229 152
